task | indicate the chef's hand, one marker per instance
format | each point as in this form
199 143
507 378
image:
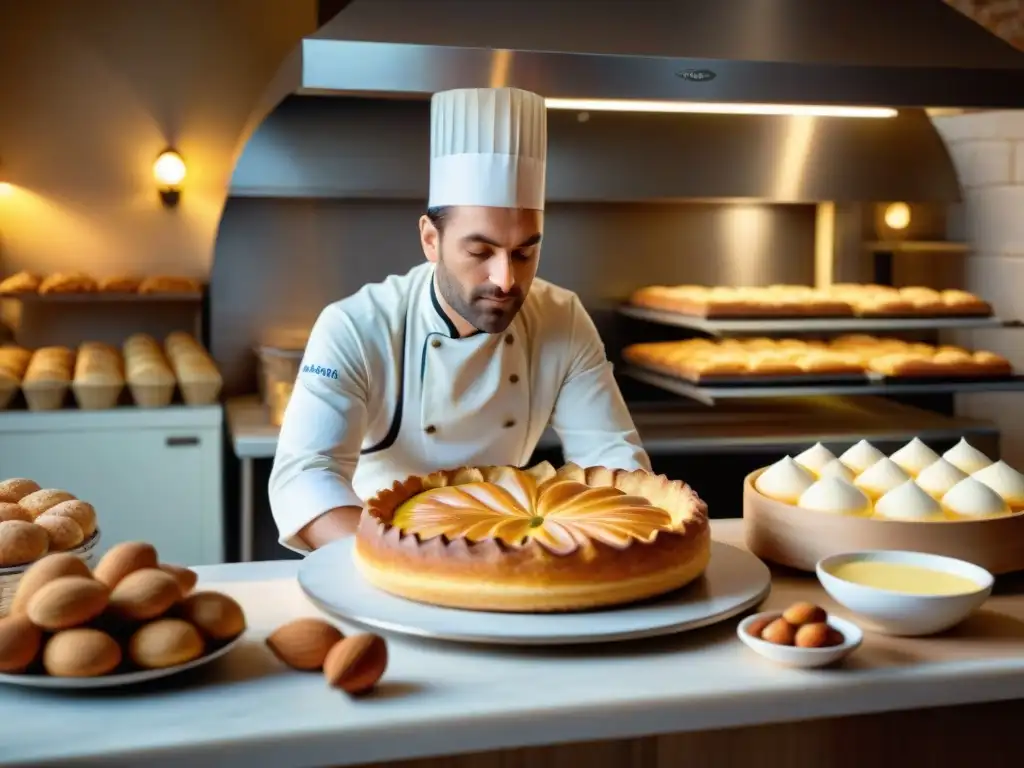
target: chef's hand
332 525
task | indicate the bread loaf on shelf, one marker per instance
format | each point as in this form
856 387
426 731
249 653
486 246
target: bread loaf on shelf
147 372
13 363
198 378
48 378
120 284
22 282
99 376
68 282
169 284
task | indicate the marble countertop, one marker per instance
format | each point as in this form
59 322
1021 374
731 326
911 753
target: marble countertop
246 709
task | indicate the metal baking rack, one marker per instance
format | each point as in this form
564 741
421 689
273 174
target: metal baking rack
797 325
752 387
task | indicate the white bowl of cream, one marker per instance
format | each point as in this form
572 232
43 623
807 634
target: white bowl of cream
905 593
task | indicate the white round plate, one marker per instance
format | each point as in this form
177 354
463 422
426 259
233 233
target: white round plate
110 681
734 581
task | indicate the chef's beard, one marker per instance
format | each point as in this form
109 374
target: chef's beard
484 316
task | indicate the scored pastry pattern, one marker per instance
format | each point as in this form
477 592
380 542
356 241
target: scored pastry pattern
560 510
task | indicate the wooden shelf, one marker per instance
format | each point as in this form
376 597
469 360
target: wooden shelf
104 298
918 246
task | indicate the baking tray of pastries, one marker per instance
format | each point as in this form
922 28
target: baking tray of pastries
793 301
143 372
846 359
77 285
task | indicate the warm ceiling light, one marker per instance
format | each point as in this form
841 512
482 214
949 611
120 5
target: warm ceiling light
722 108
169 171
897 216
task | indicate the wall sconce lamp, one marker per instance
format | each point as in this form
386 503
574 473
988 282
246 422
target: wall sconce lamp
897 216
169 171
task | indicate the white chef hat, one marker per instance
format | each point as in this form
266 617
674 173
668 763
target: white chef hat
488 146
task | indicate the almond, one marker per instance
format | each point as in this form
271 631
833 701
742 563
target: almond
66 602
812 635
799 614
214 614
81 512
165 643
20 641
81 652
44 571
17 488
63 532
185 577
40 501
356 663
144 594
780 632
121 559
21 543
304 643
14 511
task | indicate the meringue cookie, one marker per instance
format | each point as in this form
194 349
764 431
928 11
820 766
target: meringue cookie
1004 480
909 502
937 479
880 478
784 481
914 457
814 458
970 500
836 468
860 456
966 457
835 496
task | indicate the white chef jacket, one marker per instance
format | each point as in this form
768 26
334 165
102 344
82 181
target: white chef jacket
387 389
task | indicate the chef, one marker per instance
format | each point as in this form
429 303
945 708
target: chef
462 361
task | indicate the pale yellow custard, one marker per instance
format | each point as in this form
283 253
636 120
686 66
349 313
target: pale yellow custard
901 577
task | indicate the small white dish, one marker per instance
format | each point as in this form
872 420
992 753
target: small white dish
802 658
902 613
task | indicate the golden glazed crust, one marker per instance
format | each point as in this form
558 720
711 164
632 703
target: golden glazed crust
534 540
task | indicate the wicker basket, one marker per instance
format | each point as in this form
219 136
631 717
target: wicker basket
11 577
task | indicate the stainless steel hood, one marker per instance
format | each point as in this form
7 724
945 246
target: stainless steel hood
899 53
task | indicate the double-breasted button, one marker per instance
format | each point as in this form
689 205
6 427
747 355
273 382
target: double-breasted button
509 424
514 378
430 429
435 343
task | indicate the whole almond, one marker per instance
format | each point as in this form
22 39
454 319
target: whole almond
144 594
356 663
63 532
44 571
799 614
82 512
81 652
39 501
121 559
14 511
304 643
215 615
185 577
20 641
21 543
165 643
66 602
17 488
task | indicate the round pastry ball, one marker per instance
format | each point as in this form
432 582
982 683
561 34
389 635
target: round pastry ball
17 488
21 543
64 532
13 511
82 512
40 501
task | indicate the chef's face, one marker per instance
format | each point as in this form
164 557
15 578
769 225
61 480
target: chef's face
486 260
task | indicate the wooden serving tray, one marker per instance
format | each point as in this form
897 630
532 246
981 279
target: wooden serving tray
799 538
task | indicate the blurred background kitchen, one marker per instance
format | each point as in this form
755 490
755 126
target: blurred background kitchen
289 177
